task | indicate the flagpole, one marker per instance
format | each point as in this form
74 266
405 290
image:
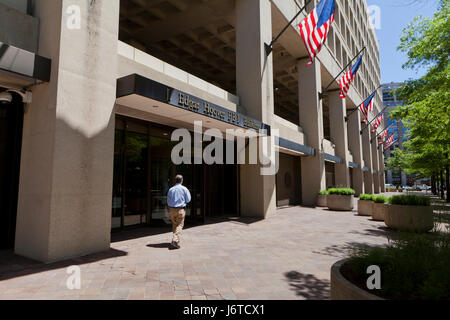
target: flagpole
332 82
371 140
269 47
361 132
346 118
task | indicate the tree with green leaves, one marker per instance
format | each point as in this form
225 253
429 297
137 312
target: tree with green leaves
426 111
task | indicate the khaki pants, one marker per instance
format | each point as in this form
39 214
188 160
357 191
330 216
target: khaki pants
177 216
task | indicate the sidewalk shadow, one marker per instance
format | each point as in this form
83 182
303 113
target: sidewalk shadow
13 266
139 232
162 245
308 286
343 250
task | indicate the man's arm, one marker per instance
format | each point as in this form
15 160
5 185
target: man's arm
187 194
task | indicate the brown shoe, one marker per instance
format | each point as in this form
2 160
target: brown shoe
175 245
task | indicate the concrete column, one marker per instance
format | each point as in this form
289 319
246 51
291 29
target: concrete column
254 84
65 194
367 156
355 147
310 111
375 164
338 130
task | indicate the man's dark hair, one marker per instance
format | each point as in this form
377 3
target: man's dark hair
179 179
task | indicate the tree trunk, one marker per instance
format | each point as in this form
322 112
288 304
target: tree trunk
447 182
433 184
442 185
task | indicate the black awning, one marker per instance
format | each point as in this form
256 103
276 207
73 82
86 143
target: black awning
24 63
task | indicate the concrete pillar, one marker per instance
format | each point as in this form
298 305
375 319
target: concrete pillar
65 194
254 84
355 147
338 129
375 164
310 111
367 156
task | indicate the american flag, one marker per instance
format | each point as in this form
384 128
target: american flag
377 123
314 28
389 142
347 79
366 107
383 136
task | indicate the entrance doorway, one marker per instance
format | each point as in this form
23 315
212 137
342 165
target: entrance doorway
330 177
289 181
144 172
11 124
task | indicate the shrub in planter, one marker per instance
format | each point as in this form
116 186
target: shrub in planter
410 200
379 208
342 191
365 204
322 198
412 268
409 213
341 199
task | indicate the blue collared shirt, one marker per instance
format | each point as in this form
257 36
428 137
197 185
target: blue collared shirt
178 196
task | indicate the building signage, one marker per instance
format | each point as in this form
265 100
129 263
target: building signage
188 102
136 84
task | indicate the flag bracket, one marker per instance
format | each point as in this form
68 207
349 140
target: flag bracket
269 47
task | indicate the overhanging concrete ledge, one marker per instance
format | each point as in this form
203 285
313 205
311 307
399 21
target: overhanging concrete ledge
353 165
331 158
290 145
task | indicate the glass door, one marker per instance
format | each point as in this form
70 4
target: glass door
144 173
193 180
161 173
119 151
130 179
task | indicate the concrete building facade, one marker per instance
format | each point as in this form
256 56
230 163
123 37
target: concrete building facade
93 90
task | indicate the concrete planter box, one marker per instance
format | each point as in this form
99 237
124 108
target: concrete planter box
379 211
342 289
340 202
365 207
409 218
322 200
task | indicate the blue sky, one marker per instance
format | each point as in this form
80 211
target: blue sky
395 16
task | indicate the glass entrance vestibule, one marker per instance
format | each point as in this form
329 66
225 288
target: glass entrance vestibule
144 172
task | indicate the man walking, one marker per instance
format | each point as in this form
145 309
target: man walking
177 198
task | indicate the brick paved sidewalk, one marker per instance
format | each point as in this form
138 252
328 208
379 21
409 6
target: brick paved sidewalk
287 256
